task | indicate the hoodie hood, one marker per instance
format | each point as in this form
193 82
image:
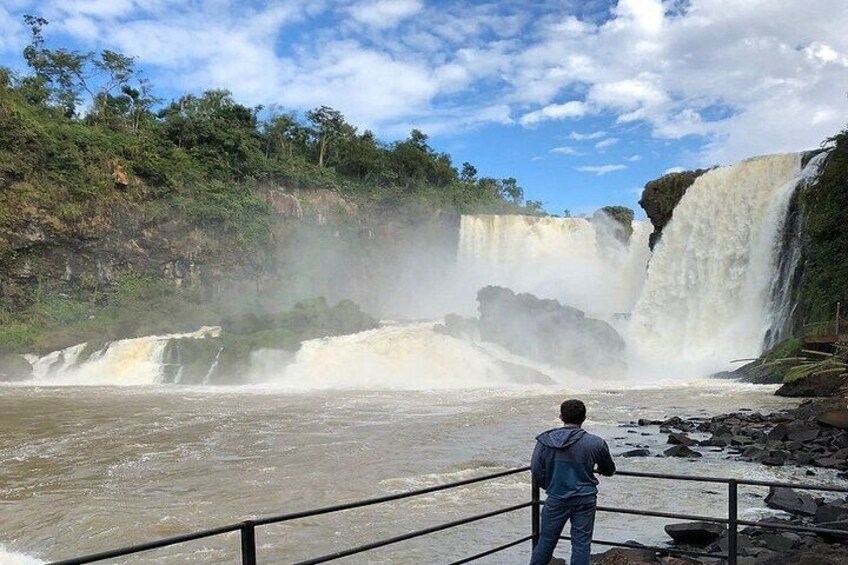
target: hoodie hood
560 438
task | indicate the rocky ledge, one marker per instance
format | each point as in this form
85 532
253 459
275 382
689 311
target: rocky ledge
814 434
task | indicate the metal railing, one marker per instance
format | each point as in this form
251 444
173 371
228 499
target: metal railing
247 528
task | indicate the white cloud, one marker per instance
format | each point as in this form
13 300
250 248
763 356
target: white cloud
565 151
384 13
670 170
586 136
572 109
634 158
747 77
609 142
600 169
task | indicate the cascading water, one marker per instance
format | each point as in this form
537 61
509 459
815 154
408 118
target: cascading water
138 361
574 260
707 298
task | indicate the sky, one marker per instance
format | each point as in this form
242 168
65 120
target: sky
583 101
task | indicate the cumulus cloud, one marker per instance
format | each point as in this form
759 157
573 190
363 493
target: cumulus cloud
743 77
600 170
571 109
384 13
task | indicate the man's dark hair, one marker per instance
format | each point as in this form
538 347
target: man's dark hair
572 412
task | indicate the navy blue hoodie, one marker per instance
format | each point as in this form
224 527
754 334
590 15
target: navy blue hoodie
564 462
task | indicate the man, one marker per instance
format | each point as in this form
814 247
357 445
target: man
564 465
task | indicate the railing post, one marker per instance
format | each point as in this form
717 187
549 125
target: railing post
248 543
535 519
732 520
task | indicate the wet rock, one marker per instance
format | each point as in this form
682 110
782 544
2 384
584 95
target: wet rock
620 556
636 453
774 458
645 422
680 439
695 533
813 386
803 433
834 418
681 451
831 512
791 501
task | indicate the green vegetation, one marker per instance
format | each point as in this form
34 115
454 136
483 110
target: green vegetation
825 280
139 306
92 159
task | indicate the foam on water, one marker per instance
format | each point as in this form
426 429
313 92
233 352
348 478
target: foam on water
9 557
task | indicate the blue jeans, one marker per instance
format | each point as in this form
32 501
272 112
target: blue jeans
555 513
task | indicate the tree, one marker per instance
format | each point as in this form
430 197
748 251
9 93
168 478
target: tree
469 173
511 190
329 125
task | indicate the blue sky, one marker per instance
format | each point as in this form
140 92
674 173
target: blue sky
581 101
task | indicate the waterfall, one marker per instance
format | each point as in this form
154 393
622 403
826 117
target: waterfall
573 260
136 361
708 295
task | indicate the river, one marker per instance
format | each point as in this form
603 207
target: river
90 468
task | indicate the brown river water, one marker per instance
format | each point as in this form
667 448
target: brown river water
86 469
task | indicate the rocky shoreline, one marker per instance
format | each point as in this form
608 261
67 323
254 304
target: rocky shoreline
813 436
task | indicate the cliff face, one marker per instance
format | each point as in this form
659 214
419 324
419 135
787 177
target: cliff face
824 268
662 195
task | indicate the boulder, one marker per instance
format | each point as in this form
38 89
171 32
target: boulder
548 331
695 533
680 439
621 556
816 385
681 451
781 498
831 512
636 453
834 418
661 196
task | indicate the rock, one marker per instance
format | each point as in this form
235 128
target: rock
831 512
645 422
680 439
779 433
779 543
803 433
620 556
834 418
681 451
695 533
661 196
636 453
119 174
813 386
791 501
14 368
774 458
839 525
548 331
284 204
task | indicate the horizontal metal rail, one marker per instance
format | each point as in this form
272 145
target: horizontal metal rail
381 499
492 551
246 528
416 534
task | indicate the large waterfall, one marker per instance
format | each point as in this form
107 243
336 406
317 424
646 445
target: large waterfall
708 296
574 260
716 289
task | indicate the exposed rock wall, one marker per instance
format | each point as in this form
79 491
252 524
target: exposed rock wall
662 195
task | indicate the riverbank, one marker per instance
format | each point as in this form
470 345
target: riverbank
813 436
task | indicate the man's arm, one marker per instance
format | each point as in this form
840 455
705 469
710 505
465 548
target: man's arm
537 465
606 466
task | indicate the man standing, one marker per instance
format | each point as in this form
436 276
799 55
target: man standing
564 465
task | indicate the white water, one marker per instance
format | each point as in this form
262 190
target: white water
8 557
400 357
706 300
564 258
125 362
